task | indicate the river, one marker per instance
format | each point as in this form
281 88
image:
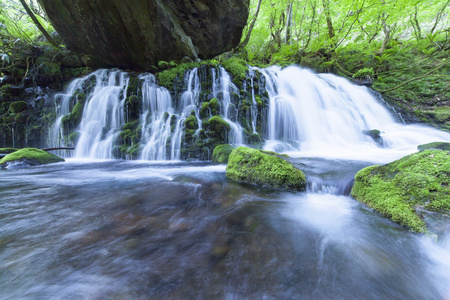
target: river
110 229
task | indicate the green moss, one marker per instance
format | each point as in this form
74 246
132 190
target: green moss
237 67
218 129
221 153
204 110
166 78
21 118
255 167
17 107
214 105
191 123
31 156
7 150
74 136
50 69
396 189
435 145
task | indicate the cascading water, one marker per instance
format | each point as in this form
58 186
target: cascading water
103 115
325 116
222 89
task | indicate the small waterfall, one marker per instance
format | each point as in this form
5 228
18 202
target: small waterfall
222 89
103 115
325 115
155 120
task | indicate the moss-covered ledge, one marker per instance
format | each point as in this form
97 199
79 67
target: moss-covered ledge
264 169
30 156
401 188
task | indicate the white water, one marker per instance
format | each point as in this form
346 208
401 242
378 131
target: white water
325 116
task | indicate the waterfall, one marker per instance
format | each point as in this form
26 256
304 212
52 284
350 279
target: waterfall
103 115
326 115
299 112
222 89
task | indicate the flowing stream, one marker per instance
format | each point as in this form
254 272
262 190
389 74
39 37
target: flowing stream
111 229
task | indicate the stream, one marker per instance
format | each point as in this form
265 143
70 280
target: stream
110 229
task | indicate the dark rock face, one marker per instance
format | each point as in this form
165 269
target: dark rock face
138 33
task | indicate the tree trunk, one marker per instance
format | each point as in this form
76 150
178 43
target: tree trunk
387 33
38 24
249 33
288 22
326 8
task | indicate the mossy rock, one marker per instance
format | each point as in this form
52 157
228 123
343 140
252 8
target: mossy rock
221 153
214 105
7 150
49 69
218 129
30 156
237 67
374 134
255 167
396 190
21 118
17 107
435 145
191 123
204 110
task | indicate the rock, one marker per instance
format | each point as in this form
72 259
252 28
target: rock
419 180
218 129
435 145
264 169
375 135
139 34
17 107
221 153
30 156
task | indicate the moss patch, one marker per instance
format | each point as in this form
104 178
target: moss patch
221 153
435 145
7 150
17 107
31 156
255 167
398 188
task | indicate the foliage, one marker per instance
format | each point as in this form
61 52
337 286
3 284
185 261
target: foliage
397 189
264 169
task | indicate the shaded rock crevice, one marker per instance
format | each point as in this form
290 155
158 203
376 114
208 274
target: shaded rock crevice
139 34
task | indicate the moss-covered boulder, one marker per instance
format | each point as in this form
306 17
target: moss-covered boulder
398 189
7 150
221 153
435 145
264 169
17 107
30 156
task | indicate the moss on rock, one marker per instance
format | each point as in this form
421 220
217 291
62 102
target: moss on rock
419 180
221 153
17 107
7 150
218 129
435 145
31 156
255 167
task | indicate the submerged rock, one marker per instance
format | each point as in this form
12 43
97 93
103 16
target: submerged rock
30 156
398 189
264 169
221 153
139 34
375 135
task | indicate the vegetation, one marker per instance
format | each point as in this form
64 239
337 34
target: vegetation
30 156
400 189
221 153
264 169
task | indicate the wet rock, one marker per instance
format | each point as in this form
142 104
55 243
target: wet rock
264 169
30 156
139 34
375 135
400 189
221 153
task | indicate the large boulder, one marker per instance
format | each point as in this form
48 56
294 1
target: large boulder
137 34
30 156
399 190
264 169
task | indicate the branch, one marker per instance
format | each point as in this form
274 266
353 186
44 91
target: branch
414 79
38 24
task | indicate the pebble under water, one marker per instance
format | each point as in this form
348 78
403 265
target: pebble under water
176 230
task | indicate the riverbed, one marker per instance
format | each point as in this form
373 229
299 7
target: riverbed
151 230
